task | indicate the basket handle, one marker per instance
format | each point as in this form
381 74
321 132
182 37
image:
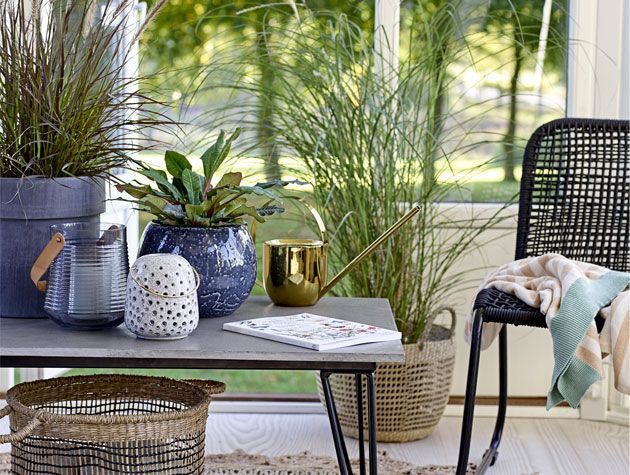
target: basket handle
45 259
433 316
22 433
208 385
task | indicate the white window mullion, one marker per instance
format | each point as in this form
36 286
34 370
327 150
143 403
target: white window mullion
597 87
597 77
386 39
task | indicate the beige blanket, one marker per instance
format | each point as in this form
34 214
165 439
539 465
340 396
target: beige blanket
570 294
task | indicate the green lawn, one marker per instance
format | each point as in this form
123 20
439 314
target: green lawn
238 381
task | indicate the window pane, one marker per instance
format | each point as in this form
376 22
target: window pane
495 92
505 82
177 54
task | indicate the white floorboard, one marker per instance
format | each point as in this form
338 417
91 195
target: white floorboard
529 446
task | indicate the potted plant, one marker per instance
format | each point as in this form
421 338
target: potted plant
204 222
371 147
66 109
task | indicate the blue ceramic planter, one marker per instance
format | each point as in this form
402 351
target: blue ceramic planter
224 257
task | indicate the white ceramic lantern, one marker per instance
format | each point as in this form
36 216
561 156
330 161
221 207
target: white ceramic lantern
162 297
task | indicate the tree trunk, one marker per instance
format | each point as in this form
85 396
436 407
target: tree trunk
510 135
265 109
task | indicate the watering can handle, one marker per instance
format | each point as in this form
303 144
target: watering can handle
45 259
318 220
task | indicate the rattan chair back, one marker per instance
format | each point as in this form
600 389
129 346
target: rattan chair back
575 192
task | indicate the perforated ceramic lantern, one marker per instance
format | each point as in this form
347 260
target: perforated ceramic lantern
162 297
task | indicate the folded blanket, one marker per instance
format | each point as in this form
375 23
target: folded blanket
570 294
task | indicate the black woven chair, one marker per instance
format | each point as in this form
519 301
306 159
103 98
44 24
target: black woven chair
574 201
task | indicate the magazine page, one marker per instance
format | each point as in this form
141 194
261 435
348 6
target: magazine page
312 331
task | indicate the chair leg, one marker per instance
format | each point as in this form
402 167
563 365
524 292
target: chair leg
471 391
491 454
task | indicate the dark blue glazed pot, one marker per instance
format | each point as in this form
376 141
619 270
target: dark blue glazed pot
224 257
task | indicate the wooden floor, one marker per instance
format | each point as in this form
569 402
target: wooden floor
530 446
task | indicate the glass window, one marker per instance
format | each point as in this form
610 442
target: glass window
508 79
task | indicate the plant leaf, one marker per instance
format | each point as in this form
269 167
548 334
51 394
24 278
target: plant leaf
247 211
228 145
217 153
198 210
226 208
257 190
175 211
230 179
139 191
159 177
280 183
177 182
176 163
210 156
269 210
193 188
154 204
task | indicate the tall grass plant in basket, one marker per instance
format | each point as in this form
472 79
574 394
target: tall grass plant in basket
374 138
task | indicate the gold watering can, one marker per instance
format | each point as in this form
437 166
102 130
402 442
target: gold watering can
295 270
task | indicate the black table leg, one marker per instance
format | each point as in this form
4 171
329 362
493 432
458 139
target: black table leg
340 443
359 387
372 422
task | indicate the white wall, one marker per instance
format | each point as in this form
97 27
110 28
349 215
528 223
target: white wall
530 355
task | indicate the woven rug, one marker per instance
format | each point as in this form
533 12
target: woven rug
241 463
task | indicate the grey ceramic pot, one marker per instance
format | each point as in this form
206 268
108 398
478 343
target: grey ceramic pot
224 257
28 207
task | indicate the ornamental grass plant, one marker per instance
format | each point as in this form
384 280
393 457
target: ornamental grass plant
69 104
373 138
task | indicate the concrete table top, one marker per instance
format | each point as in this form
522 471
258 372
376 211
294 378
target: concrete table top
42 343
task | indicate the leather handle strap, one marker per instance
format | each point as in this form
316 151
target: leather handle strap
45 259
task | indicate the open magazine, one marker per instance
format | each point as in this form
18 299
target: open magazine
312 331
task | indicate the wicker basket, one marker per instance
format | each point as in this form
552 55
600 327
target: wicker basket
108 424
410 396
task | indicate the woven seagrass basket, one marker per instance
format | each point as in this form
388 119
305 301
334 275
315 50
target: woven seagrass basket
410 396
96 425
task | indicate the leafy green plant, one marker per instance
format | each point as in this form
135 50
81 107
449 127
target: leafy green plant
67 106
191 199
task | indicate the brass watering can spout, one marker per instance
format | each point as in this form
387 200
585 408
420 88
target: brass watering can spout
295 270
370 249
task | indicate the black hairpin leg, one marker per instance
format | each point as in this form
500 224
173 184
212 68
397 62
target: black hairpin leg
340 445
359 389
491 454
372 422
